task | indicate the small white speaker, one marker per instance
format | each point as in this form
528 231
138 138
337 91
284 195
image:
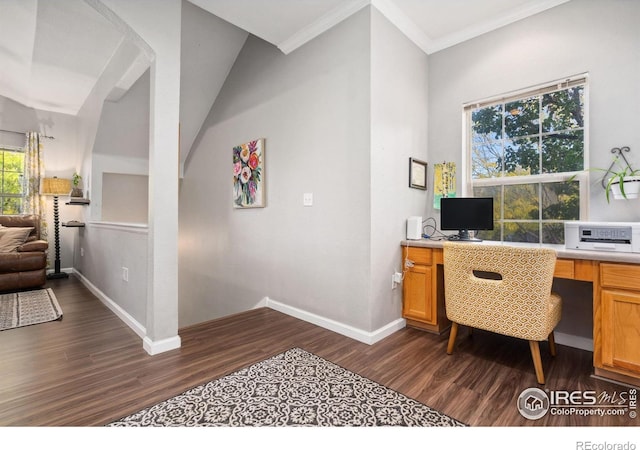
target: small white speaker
414 227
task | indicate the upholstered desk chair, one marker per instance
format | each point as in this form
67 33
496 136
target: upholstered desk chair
518 304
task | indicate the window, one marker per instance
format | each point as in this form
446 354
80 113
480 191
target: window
527 151
11 179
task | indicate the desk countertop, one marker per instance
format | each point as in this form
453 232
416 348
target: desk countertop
562 252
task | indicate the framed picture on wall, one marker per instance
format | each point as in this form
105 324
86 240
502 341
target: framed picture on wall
248 175
417 174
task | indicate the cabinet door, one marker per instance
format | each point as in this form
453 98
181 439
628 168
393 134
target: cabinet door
417 303
621 329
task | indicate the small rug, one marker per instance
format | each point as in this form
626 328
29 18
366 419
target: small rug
294 388
20 309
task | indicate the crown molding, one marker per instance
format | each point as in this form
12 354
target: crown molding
327 21
407 26
491 25
415 34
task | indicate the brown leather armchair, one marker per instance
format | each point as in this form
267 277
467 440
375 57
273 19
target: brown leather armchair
26 267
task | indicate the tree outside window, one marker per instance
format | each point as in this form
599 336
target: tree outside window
12 180
523 152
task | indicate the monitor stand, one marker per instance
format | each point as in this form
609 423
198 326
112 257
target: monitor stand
464 236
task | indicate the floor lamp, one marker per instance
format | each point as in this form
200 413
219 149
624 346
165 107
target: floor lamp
56 186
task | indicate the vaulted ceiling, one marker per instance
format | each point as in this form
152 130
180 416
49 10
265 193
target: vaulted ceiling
432 24
53 52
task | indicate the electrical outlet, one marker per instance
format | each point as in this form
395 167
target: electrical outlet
81 251
125 274
396 279
307 199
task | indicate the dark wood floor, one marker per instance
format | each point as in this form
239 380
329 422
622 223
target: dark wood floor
89 368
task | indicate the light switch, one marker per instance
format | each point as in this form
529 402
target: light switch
307 199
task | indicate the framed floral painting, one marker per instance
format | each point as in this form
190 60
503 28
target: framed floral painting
248 175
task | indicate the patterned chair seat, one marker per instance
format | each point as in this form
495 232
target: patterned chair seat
503 289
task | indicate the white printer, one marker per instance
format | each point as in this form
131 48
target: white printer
605 236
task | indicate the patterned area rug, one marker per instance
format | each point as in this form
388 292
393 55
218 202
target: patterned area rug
294 388
28 308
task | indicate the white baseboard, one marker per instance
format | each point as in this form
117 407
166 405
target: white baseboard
261 304
367 337
381 333
151 347
132 323
570 340
163 345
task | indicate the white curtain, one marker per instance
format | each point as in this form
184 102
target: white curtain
33 174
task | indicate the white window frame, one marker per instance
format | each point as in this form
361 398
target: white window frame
580 176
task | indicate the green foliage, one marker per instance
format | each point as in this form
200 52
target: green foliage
76 179
532 136
560 201
563 110
488 121
13 161
11 205
11 181
618 177
522 118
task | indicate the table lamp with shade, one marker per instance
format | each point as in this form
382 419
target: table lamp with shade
56 186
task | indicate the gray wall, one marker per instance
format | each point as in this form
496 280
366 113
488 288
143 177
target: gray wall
398 132
599 38
125 198
340 121
124 124
102 252
581 36
120 155
121 145
208 48
116 135
312 107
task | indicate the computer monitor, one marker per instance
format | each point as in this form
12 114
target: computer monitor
466 213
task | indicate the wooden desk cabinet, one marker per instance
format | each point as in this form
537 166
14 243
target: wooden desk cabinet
616 305
617 321
423 301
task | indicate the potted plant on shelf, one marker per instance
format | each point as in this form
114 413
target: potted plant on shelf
76 190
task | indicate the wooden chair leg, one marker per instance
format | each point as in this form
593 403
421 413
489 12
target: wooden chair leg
552 344
452 337
537 361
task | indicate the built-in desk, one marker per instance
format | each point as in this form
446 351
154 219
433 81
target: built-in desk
616 299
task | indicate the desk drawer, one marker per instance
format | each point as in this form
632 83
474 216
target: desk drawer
565 268
620 276
418 255
574 269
